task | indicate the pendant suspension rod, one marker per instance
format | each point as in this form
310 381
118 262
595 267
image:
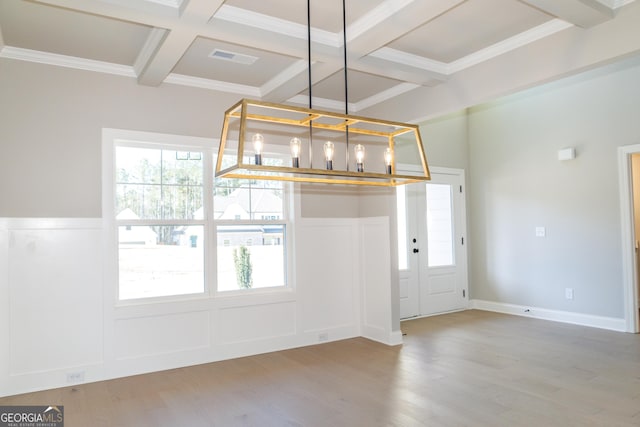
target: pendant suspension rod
309 77
346 84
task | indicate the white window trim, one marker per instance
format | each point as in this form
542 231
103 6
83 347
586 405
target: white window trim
111 138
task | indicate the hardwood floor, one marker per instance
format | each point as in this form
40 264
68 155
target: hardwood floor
471 368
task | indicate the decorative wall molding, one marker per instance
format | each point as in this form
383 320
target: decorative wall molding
66 61
202 83
50 223
144 337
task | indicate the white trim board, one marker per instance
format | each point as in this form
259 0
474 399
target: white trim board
629 273
610 323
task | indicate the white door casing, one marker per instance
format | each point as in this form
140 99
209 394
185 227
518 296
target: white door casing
435 277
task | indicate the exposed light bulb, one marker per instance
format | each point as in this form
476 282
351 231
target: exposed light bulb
294 145
359 151
388 160
329 150
258 145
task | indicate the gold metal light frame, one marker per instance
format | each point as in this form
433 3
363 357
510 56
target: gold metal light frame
283 122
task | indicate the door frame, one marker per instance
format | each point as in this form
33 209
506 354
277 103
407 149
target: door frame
629 272
461 173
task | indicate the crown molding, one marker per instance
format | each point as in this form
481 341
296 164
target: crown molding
275 25
374 17
66 61
283 77
121 70
541 31
202 83
410 60
385 95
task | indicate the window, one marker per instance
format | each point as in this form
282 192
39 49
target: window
251 233
440 225
177 231
401 211
159 213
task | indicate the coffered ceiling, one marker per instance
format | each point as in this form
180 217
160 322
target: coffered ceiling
258 49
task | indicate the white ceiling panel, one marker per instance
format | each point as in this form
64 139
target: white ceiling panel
325 14
394 46
197 62
66 32
472 26
361 86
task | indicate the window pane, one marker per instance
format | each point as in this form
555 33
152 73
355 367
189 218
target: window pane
159 261
250 256
182 168
401 206
248 201
182 202
158 184
138 165
439 225
138 201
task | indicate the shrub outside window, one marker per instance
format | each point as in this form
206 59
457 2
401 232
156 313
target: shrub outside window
251 230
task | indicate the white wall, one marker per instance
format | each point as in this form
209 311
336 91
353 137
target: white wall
58 314
518 183
50 134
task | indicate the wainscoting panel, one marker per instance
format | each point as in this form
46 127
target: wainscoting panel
327 271
158 335
257 322
376 280
55 298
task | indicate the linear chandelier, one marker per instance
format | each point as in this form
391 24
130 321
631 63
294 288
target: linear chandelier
268 141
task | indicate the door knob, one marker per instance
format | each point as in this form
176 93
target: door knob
416 250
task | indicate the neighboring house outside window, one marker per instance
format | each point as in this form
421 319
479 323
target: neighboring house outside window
250 220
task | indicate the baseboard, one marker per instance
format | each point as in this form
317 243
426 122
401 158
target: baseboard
610 323
385 337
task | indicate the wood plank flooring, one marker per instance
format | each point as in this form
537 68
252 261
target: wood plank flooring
470 368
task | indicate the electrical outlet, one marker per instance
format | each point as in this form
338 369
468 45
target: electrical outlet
75 377
568 293
541 232
323 336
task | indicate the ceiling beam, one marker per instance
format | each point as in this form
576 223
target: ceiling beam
590 48
398 70
392 20
166 53
146 13
299 82
169 48
369 33
582 13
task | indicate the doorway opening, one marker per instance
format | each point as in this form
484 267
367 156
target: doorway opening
431 245
629 176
